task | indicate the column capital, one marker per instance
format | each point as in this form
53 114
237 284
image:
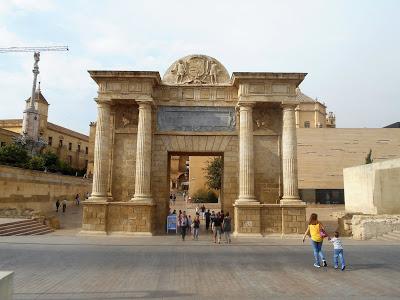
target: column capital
289 105
245 104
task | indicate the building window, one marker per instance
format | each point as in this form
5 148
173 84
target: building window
50 140
86 150
79 148
60 143
69 146
69 159
307 124
2 144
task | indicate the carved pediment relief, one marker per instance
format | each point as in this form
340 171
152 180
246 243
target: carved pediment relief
126 116
196 70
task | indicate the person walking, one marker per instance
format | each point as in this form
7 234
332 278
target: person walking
189 227
77 199
196 227
64 205
174 199
57 205
227 227
207 215
217 228
337 251
316 231
203 211
183 224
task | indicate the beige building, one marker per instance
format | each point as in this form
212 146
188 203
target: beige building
69 145
197 108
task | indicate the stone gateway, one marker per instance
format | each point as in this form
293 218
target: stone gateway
248 119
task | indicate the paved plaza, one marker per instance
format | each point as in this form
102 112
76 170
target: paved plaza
163 267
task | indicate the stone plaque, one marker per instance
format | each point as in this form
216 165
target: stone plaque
176 118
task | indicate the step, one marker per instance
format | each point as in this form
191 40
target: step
19 230
17 223
21 227
38 231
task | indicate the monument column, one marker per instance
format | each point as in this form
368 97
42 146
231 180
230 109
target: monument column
101 152
246 154
143 154
289 156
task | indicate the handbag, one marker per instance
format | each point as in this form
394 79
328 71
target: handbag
322 233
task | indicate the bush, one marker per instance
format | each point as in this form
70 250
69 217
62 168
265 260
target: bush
13 154
36 163
204 196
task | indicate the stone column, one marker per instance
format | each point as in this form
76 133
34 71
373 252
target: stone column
101 152
143 154
246 154
289 156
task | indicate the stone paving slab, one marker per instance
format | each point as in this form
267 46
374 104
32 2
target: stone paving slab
166 268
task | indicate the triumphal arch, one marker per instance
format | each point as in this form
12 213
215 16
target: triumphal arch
196 108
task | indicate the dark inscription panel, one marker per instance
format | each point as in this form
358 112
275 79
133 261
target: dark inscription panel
176 118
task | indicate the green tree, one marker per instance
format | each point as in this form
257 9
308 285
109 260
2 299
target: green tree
214 171
368 158
14 154
51 161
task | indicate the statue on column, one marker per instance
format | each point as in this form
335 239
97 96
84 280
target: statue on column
213 72
180 70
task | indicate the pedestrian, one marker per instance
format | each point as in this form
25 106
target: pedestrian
178 221
183 224
337 251
203 211
57 205
77 199
190 225
316 231
174 199
174 212
217 228
208 219
227 227
196 227
64 205
170 199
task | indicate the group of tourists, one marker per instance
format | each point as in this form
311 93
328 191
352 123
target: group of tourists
220 224
316 232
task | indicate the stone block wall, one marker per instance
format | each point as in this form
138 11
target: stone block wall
293 219
23 192
247 219
271 219
118 218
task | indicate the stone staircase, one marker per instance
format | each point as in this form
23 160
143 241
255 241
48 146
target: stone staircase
24 227
393 236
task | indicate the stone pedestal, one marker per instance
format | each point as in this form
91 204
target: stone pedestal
94 220
118 218
247 219
289 156
101 153
143 155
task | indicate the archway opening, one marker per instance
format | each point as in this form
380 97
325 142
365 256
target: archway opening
195 183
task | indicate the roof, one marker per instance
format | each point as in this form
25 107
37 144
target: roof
303 97
41 98
64 130
8 132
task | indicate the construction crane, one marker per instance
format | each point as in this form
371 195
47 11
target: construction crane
32 131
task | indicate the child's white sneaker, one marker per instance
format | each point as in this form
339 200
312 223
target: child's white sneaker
317 265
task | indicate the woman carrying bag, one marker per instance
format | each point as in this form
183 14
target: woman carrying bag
317 233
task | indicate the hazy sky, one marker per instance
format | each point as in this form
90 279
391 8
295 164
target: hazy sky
350 49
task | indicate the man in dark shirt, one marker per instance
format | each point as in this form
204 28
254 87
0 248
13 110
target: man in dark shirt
207 215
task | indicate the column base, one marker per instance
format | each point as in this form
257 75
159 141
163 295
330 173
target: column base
291 201
142 200
99 199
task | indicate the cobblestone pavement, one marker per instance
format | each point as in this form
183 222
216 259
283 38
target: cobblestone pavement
163 267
